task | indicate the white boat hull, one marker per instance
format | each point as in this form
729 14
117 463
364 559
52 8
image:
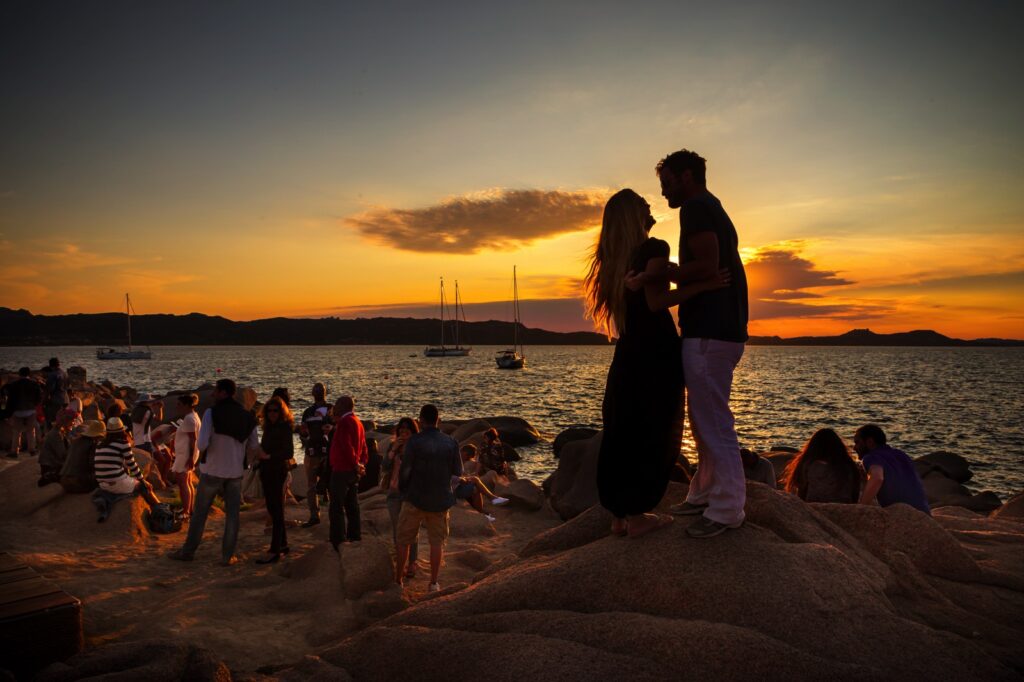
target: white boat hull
110 354
446 352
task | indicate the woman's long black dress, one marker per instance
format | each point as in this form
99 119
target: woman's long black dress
643 404
277 442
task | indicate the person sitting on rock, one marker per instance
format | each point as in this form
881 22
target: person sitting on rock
470 488
77 475
891 476
492 456
430 460
147 413
55 448
824 471
758 468
117 472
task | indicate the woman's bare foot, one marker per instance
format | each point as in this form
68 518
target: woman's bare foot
619 526
643 524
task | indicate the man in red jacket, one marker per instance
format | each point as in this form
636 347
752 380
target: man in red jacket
348 462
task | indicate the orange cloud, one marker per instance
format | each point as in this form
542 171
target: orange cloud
494 219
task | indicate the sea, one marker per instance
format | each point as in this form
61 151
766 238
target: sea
964 400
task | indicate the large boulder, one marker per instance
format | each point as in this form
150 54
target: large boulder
366 566
951 464
77 376
1012 510
151 660
569 435
464 431
572 488
593 606
514 430
523 493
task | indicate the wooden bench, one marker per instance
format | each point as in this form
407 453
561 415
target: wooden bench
39 622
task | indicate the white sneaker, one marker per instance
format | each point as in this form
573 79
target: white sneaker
433 587
490 517
498 501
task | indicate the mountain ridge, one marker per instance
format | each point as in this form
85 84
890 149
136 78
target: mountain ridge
23 328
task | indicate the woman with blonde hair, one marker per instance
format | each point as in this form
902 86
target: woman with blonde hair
643 400
277 448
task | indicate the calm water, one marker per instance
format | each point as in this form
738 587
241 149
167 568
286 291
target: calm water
967 400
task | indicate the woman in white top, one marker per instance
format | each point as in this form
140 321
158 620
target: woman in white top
186 451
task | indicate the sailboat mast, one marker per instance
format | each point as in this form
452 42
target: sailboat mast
515 308
128 313
456 313
442 313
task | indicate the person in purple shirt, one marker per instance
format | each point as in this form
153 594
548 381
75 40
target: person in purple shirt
891 474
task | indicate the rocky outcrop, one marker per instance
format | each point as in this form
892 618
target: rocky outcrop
523 493
1013 510
150 660
514 430
794 594
569 435
572 488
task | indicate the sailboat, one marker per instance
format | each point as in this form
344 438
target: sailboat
114 354
444 351
513 358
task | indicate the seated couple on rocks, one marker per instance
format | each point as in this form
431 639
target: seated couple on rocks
824 471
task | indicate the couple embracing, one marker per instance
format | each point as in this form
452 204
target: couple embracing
628 293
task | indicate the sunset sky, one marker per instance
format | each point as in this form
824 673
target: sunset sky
258 159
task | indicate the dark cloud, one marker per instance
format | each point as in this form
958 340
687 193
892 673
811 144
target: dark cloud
498 218
778 279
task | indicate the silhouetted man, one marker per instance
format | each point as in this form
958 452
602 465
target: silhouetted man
314 432
713 326
430 461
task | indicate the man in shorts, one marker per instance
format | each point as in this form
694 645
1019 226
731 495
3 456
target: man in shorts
430 461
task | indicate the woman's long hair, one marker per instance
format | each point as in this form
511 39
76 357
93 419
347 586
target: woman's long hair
824 446
286 418
409 423
623 229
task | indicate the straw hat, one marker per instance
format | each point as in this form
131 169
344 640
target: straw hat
114 425
92 428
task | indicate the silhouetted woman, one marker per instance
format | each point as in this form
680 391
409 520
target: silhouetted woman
643 400
276 451
824 471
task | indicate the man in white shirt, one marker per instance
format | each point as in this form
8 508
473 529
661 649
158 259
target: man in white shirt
227 433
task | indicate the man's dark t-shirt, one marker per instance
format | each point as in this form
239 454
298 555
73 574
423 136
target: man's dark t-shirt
719 314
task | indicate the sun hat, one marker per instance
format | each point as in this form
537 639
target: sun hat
92 428
115 425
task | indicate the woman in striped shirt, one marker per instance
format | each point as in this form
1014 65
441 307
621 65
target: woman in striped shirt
117 471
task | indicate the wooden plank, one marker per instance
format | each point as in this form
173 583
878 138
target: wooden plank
23 573
25 589
28 608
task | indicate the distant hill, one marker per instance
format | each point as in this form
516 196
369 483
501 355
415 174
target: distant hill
22 328
866 337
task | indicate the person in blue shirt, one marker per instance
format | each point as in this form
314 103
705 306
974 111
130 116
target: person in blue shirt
891 476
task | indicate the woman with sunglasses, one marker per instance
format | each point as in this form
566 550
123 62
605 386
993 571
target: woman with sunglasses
276 451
